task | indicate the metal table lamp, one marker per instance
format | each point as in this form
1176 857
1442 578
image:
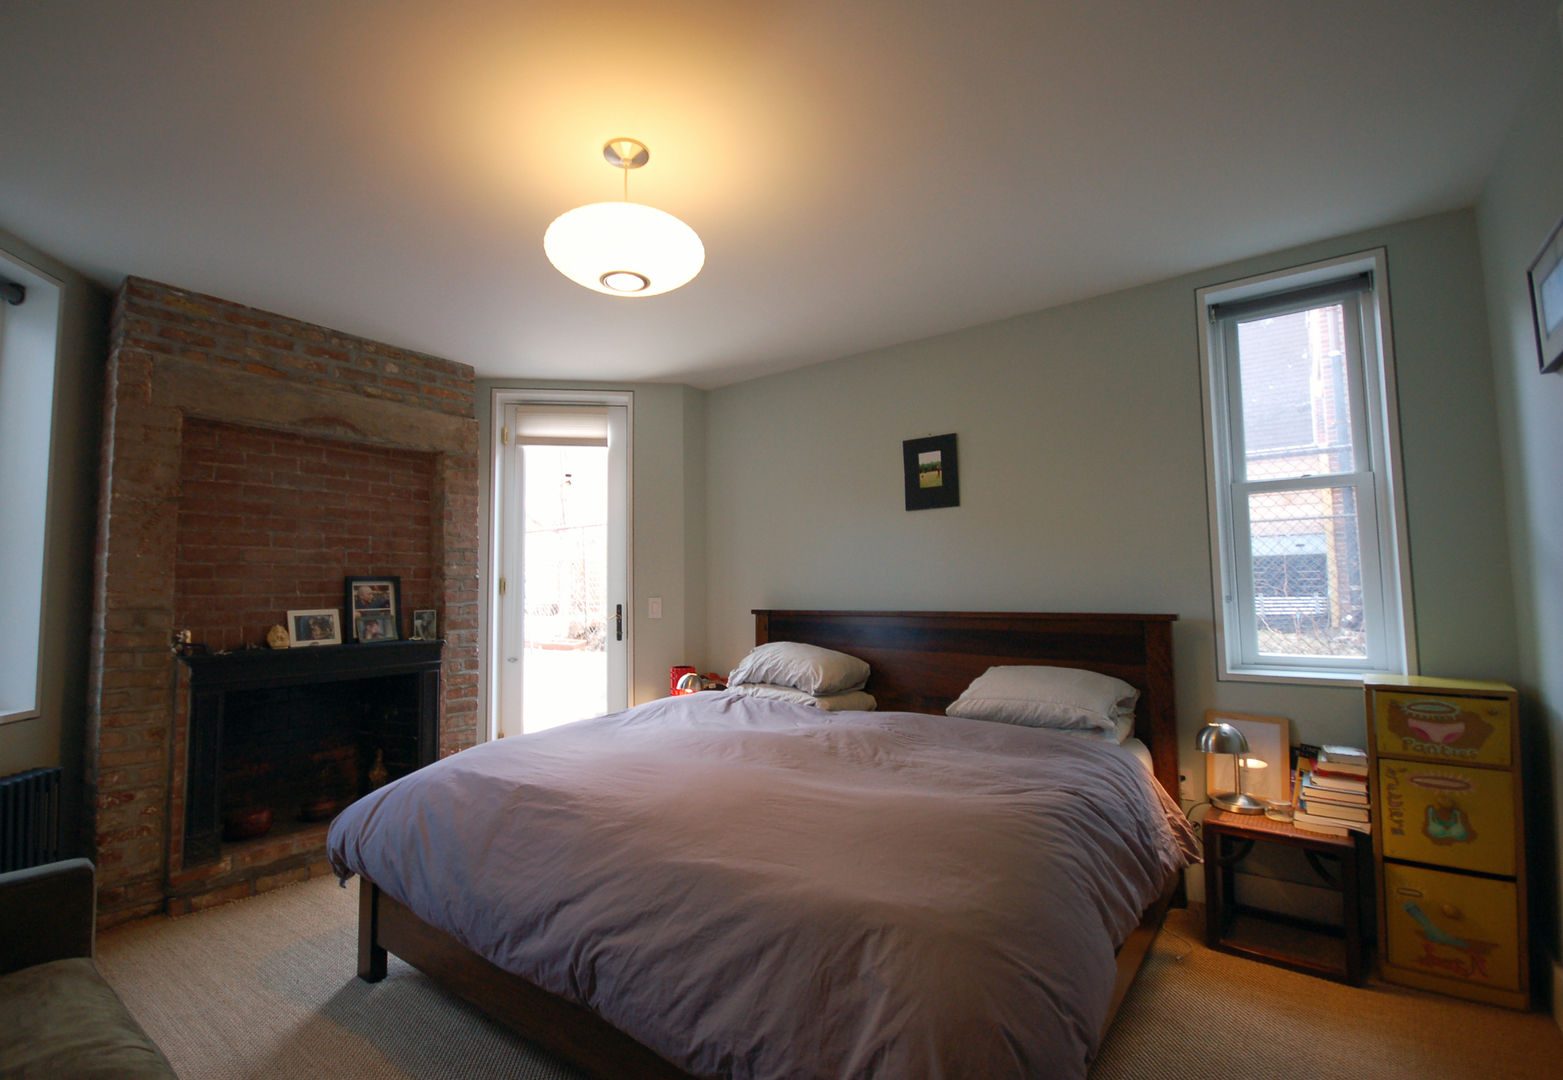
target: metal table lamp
1226 739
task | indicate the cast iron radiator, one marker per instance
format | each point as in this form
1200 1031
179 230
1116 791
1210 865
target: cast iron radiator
29 818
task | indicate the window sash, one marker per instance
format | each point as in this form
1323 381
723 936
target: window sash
1244 593
1356 381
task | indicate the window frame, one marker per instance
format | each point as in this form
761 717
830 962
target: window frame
1375 476
30 339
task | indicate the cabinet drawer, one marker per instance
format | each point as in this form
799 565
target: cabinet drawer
1447 815
1451 925
1442 727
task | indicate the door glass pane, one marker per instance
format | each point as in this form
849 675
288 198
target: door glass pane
1307 564
566 621
1296 420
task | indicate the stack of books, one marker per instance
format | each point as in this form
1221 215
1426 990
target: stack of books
1330 791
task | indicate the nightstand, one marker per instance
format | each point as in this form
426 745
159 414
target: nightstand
1330 952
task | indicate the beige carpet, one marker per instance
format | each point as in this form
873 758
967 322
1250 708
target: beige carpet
265 988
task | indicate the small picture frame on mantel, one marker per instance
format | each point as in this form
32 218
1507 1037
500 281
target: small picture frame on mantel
314 626
1546 300
374 608
425 625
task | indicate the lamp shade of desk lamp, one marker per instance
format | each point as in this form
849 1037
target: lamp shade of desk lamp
1226 739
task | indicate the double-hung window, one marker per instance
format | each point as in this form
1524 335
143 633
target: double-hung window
1309 548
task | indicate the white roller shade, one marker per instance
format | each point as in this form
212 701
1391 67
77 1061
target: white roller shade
561 425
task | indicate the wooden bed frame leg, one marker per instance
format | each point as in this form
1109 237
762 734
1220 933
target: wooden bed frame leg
371 955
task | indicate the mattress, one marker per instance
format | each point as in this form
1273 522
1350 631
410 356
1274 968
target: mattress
756 889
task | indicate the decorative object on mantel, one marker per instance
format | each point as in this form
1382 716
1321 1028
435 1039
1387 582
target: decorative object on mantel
932 472
425 624
315 626
374 608
1546 300
277 637
624 248
183 646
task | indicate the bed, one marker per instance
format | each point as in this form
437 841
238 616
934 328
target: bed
735 1017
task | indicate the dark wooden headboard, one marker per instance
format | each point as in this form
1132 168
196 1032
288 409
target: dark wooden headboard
922 660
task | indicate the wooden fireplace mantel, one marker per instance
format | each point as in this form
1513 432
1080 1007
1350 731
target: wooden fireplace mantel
212 677
251 669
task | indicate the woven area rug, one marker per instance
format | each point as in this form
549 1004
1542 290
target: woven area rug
264 988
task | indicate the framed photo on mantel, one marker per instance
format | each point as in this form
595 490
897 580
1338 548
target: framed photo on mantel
374 608
315 626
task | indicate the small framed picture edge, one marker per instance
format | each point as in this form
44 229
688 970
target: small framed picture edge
1545 278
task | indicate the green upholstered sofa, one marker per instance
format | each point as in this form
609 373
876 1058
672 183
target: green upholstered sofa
58 1018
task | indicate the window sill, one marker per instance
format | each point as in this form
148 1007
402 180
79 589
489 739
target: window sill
1293 676
8 717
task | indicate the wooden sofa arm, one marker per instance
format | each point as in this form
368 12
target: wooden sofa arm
47 912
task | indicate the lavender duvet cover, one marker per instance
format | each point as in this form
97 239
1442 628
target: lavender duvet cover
755 889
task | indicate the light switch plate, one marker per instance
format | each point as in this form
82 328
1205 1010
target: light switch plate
654 607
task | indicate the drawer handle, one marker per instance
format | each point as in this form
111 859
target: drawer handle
1450 911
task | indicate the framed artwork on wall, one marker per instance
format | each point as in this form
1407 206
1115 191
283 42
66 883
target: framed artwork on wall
1546 300
932 472
374 608
1269 743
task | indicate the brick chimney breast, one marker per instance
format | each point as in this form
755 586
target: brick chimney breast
250 462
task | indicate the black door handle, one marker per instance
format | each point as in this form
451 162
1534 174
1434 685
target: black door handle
618 622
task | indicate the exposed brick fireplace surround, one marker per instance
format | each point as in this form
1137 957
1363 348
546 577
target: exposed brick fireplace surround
250 463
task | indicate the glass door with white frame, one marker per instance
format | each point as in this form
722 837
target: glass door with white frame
563 627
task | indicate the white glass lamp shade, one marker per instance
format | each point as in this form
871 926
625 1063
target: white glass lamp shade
624 249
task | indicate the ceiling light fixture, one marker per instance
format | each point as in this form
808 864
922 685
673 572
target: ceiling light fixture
624 248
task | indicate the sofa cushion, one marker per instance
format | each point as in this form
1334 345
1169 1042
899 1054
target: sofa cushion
71 1025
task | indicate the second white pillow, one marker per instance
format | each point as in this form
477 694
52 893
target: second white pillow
803 667
1072 699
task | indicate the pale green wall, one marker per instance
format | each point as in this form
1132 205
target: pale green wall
56 736
1082 476
668 477
1522 201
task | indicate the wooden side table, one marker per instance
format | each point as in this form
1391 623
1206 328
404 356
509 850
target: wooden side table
1300 944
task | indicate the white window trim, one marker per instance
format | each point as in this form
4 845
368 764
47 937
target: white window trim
1381 409
26 557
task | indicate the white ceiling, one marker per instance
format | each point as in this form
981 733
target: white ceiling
862 172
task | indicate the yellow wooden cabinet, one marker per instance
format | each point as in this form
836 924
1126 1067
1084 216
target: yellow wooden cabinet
1448 836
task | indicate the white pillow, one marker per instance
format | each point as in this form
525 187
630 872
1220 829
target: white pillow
1070 699
803 667
846 699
